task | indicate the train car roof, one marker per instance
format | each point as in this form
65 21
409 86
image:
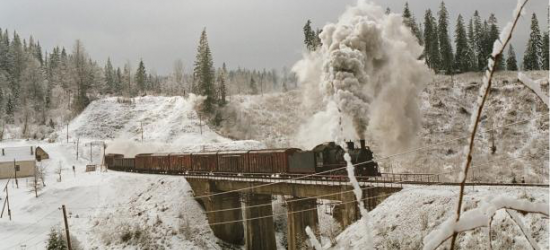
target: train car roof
233 152
275 150
160 154
206 153
113 154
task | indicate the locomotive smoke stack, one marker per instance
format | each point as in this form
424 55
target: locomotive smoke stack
362 142
350 145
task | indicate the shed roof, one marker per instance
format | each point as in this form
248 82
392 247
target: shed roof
17 153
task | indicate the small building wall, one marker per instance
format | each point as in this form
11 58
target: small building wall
26 169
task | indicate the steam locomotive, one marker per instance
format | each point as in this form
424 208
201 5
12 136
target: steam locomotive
268 162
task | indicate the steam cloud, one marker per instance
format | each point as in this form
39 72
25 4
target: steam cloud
367 76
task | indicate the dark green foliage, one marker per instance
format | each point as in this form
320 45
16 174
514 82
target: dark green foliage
445 47
431 45
410 21
204 74
55 241
311 37
545 50
253 87
493 36
462 56
511 63
141 76
222 78
532 59
110 76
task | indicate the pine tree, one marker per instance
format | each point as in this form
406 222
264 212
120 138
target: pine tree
545 50
462 57
533 54
311 37
118 82
494 34
445 47
478 42
141 76
109 77
471 46
431 46
10 109
204 74
511 63
410 21
81 67
222 78
253 87
55 241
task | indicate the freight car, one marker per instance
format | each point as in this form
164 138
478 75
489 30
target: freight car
268 162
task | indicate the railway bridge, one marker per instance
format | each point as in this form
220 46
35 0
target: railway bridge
239 209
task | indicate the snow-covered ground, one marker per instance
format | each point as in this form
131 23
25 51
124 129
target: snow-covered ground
111 210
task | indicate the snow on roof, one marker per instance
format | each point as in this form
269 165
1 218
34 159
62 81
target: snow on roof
17 153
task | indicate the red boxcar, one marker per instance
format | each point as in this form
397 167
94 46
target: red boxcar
110 160
232 161
161 162
143 162
205 162
270 160
180 163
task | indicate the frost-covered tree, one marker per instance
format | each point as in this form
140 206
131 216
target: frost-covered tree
311 37
445 47
493 35
471 46
511 63
81 75
545 50
253 87
431 45
222 79
55 241
478 36
109 74
410 21
532 59
203 74
141 77
462 58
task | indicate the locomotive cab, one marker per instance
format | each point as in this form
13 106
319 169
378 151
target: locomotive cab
330 156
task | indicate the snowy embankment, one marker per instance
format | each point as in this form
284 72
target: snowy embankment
112 210
405 218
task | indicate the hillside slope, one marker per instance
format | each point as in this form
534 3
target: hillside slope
446 104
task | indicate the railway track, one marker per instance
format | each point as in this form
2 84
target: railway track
388 180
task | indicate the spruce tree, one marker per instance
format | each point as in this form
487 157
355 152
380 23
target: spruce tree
253 87
141 76
55 241
545 50
471 46
478 42
117 84
409 21
311 37
532 59
445 47
494 34
511 63
204 74
109 77
222 78
431 45
462 57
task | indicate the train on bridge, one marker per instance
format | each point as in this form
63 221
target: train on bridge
324 159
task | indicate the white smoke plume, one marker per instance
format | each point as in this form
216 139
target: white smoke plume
368 76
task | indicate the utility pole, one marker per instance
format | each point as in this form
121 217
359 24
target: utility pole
15 171
35 183
77 142
67 228
6 201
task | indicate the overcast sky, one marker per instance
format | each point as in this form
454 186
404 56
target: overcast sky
246 33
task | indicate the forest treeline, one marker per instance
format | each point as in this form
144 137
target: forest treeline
473 42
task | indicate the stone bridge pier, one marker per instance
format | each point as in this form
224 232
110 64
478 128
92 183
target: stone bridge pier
247 217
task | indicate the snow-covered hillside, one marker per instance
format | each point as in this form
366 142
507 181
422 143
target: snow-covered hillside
446 103
111 210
